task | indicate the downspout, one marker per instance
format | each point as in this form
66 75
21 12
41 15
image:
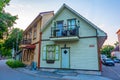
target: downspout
39 52
98 50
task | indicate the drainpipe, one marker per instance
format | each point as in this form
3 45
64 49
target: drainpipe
99 56
39 52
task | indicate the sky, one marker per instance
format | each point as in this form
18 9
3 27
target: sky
103 13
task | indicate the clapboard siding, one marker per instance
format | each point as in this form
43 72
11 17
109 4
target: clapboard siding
83 52
81 55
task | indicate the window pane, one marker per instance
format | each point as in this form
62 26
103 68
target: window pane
71 24
50 55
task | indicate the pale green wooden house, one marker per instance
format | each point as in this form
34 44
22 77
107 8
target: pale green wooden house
70 41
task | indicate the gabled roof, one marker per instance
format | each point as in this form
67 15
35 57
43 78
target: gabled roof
37 19
74 12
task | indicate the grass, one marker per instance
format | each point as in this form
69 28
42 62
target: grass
15 63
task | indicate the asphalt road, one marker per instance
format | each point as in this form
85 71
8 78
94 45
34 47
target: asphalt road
7 73
112 72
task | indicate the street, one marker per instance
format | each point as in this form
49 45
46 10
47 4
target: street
112 72
7 73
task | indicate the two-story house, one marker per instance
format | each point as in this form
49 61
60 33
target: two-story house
70 41
31 39
116 51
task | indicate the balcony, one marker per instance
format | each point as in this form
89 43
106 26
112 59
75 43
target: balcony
26 41
65 33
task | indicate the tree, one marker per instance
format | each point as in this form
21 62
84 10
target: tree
14 38
107 50
7 45
116 43
6 19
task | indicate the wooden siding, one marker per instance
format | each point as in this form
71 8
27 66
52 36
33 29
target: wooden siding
82 54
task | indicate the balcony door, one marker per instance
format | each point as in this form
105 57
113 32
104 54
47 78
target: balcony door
59 28
71 23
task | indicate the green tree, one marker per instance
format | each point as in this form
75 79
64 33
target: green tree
7 45
14 39
6 19
106 49
116 43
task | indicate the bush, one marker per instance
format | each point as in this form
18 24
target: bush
14 64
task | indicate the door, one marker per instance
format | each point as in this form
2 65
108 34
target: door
59 27
65 58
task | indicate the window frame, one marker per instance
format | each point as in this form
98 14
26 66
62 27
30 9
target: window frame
51 51
35 31
69 26
56 53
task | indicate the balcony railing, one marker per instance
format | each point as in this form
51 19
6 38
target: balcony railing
65 32
26 41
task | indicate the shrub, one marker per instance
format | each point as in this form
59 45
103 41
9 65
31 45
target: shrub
14 64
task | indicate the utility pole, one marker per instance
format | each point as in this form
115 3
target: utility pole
17 41
13 52
17 37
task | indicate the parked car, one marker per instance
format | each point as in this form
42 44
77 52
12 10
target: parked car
103 57
108 62
116 60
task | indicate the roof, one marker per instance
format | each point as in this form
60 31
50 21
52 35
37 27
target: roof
37 19
76 13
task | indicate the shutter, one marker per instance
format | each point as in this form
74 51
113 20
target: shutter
56 52
44 53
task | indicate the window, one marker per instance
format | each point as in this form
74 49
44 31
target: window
30 34
71 23
26 55
35 31
50 52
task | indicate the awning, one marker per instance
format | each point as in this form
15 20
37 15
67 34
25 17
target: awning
30 46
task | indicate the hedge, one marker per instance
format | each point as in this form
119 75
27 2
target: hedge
14 64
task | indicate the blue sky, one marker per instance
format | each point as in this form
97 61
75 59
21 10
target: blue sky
103 13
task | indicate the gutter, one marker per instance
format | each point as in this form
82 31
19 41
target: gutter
39 52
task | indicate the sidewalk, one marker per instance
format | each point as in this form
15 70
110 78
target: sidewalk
60 76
